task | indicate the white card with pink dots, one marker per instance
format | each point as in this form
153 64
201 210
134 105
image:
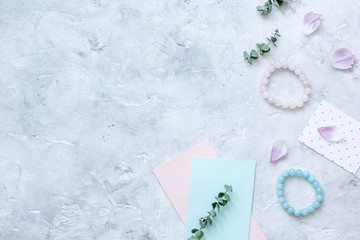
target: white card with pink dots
346 153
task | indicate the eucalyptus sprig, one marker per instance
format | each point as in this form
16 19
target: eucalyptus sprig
221 200
262 47
267 7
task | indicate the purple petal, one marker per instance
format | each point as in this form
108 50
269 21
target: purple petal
311 22
278 151
343 59
331 133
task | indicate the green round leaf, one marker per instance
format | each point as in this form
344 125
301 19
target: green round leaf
254 54
227 197
264 47
219 199
199 234
212 213
246 55
228 187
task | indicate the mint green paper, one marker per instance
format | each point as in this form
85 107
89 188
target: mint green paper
208 177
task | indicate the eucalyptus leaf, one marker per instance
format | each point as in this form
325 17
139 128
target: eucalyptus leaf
264 47
194 230
199 234
223 203
219 200
246 55
229 188
212 213
254 54
227 197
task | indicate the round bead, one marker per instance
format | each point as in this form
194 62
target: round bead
285 105
297 212
280 193
304 212
316 204
305 98
290 210
292 105
285 173
292 67
315 184
311 179
319 198
310 209
300 104
271 100
278 65
265 81
302 77
292 172
319 190
267 74
285 205
266 95
285 65
306 174
306 83
263 88
281 179
271 68
297 72
277 102
307 91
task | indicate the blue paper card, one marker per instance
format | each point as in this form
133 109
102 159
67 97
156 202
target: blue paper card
208 177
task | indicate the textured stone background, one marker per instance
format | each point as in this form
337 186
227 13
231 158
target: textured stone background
94 94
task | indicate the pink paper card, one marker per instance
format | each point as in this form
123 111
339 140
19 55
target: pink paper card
174 177
346 153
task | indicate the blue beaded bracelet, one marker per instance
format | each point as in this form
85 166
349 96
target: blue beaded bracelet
311 179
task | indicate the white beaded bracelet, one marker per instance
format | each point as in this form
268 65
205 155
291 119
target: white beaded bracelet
292 105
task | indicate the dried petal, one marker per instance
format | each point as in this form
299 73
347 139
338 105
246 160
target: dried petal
331 133
311 22
343 59
278 151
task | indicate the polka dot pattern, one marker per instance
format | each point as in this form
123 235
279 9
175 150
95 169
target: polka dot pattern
345 154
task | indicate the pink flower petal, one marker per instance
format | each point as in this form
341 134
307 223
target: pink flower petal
278 151
331 133
311 22
343 59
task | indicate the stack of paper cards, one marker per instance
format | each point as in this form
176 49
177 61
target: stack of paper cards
174 177
208 177
344 153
